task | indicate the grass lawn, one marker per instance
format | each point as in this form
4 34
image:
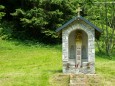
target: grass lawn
27 64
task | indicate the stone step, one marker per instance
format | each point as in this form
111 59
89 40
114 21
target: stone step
78 84
78 80
84 80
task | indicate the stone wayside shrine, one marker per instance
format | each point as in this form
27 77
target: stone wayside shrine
78 45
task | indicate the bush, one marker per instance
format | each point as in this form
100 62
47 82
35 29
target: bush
6 30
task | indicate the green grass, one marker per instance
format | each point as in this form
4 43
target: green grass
27 64
106 69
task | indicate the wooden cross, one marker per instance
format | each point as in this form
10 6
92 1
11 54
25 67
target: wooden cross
78 11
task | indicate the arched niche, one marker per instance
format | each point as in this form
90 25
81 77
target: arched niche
78 39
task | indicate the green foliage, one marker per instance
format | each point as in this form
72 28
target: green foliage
44 17
3 31
6 30
2 13
38 19
102 15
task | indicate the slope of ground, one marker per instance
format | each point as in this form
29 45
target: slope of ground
27 64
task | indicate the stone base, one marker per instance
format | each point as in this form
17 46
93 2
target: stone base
86 68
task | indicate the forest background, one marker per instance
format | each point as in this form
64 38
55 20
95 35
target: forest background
37 20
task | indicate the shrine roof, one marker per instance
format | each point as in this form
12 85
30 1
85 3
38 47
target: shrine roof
98 31
76 18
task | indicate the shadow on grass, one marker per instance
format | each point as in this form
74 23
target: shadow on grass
5 48
35 43
105 56
54 71
18 42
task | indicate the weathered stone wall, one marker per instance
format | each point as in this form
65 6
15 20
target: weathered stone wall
88 67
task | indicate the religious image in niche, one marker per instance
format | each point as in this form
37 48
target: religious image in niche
79 36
